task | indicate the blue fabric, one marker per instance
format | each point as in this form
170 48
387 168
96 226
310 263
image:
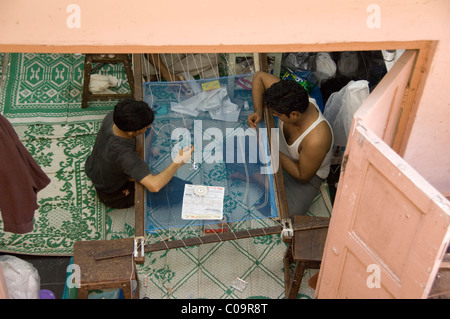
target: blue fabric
244 199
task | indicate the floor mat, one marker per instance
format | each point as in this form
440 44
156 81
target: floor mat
211 271
237 269
47 88
68 208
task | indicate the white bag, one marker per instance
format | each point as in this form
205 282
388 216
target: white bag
100 84
341 107
21 277
348 64
325 67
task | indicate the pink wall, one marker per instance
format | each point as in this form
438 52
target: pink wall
251 25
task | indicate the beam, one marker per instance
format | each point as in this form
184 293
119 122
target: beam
139 196
193 241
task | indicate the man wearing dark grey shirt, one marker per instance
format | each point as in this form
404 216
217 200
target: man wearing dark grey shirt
114 164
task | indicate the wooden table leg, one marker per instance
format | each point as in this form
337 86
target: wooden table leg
83 293
288 258
296 280
86 81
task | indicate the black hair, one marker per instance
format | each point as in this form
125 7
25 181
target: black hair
285 97
131 115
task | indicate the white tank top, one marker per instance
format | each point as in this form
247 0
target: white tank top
292 150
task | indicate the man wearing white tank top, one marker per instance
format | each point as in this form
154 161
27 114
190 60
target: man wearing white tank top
306 138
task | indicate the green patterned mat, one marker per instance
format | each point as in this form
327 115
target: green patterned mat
47 88
208 271
68 209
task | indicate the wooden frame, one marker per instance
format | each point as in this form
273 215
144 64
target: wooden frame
405 120
280 194
139 202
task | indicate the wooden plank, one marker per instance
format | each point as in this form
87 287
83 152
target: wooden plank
208 239
250 48
139 208
137 70
107 96
86 80
310 222
194 241
414 90
280 192
160 67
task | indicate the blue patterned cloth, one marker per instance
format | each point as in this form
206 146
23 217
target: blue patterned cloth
245 198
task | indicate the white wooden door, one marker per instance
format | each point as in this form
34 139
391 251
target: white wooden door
389 227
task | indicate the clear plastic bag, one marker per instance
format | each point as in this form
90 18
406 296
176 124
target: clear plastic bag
22 279
325 67
341 107
299 61
348 64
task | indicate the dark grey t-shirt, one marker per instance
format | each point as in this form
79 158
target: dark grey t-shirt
114 160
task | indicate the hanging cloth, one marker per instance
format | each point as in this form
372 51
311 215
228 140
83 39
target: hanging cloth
20 180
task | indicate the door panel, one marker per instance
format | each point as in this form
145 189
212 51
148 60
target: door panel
383 108
389 227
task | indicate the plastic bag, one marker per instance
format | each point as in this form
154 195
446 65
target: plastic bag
100 84
325 67
341 107
21 277
299 61
348 64
308 81
307 85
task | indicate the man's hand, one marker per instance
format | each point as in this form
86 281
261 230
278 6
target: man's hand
184 155
253 119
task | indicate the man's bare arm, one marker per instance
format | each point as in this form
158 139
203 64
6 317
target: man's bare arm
154 183
261 82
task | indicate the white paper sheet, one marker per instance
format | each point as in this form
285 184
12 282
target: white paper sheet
202 202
